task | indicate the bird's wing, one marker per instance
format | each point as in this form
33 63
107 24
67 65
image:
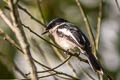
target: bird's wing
74 33
80 37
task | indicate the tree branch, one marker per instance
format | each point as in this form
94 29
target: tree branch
98 25
118 6
40 10
20 7
16 27
98 31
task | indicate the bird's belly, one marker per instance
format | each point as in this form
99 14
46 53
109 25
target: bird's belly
65 44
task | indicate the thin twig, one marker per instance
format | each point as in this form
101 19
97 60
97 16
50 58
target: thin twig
8 22
56 66
98 32
118 6
90 33
98 25
40 10
107 75
20 7
16 27
61 73
28 13
47 75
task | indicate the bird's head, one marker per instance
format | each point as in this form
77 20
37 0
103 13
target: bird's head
54 24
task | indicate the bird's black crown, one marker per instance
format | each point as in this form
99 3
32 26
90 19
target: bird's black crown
55 22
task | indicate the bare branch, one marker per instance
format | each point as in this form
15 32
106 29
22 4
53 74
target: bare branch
60 73
16 27
118 6
20 7
40 10
47 75
98 25
5 18
56 66
98 31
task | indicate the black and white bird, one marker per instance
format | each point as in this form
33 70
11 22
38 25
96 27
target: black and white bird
71 38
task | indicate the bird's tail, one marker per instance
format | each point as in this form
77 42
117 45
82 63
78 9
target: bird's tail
95 65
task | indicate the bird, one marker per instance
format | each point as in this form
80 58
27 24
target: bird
70 37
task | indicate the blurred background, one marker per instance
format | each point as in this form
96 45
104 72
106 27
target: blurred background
109 47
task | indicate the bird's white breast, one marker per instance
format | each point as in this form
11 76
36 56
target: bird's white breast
63 42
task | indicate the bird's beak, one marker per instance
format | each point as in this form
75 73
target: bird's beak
45 32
